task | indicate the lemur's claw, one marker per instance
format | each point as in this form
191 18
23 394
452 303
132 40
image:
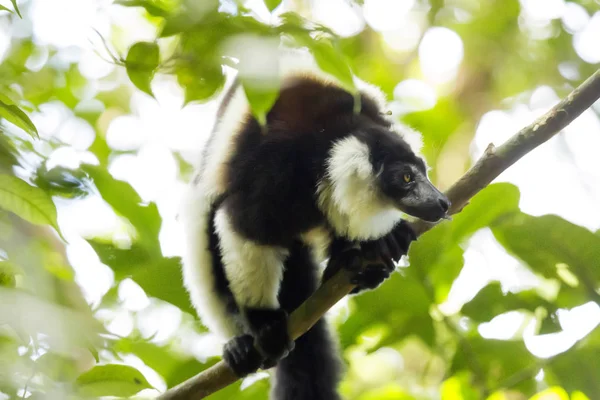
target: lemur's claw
269 327
241 356
370 278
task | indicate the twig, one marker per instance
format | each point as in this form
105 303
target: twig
493 163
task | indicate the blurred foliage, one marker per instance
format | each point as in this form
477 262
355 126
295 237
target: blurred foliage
398 341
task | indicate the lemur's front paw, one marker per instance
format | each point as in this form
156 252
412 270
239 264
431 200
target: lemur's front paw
392 246
381 255
399 239
370 278
344 255
241 356
269 327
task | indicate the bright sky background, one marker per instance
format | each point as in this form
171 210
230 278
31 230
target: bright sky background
562 177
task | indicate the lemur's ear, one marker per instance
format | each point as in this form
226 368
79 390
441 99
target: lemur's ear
410 136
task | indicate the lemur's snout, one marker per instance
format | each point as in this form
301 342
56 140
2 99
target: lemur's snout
426 202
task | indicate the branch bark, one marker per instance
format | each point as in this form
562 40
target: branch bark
493 163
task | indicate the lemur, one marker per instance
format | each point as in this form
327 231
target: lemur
267 205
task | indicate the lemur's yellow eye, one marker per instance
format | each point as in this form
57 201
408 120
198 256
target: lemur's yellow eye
407 178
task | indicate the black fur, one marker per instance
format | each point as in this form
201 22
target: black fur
241 355
272 177
312 370
269 328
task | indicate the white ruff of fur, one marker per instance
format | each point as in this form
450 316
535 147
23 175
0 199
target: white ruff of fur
349 197
198 275
254 271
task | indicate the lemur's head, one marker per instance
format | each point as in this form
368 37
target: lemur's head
401 175
373 173
373 176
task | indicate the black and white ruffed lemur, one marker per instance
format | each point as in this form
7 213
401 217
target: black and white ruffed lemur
267 206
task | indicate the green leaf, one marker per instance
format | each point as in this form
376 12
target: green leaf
57 367
328 55
494 360
175 24
439 255
14 3
171 364
201 81
126 202
160 277
141 63
272 4
28 202
390 391
569 297
547 242
438 251
485 209
460 387
111 380
157 8
549 324
577 395
2 8
401 302
190 18
553 393
13 114
8 274
491 301
331 60
261 99
61 181
577 368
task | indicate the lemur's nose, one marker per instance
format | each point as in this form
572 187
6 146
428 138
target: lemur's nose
444 204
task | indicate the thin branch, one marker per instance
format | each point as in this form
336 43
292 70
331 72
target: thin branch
493 163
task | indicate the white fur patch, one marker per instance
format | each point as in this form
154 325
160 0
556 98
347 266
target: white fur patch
318 240
410 136
220 148
198 275
254 271
349 196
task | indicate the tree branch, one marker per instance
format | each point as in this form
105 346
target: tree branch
493 163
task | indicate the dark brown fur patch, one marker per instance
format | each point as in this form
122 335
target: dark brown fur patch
307 104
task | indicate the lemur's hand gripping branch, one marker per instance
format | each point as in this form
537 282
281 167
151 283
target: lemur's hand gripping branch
494 161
